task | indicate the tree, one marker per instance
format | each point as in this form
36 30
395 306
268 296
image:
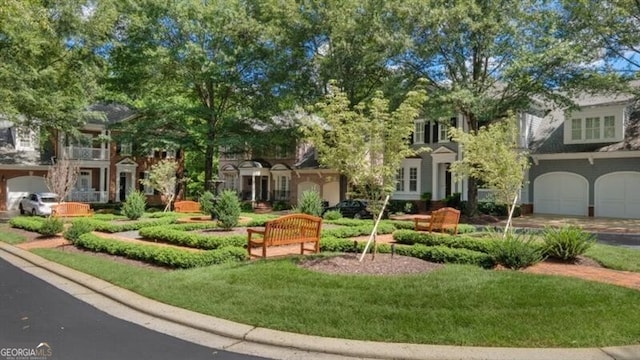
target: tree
49 60
196 71
162 177
62 176
483 59
493 155
366 143
609 27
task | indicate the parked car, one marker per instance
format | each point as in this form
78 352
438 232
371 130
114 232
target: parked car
38 203
352 208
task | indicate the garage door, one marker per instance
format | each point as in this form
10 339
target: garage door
617 195
21 186
561 193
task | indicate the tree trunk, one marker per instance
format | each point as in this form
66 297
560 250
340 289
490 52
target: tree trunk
472 197
208 167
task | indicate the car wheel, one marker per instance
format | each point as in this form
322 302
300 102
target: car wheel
21 209
357 216
33 212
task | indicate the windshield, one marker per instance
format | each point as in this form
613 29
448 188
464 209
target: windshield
49 199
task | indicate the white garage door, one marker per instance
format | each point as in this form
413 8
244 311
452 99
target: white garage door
561 193
617 195
21 186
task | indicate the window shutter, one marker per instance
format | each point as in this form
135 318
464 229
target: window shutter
118 148
427 131
434 131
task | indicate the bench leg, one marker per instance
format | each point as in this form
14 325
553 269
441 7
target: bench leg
264 249
301 248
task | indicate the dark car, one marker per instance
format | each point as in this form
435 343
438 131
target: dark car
351 208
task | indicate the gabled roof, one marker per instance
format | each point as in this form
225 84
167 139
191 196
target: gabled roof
109 113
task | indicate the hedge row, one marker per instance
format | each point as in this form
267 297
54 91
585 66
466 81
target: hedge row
362 229
30 223
410 237
441 254
184 238
161 255
110 227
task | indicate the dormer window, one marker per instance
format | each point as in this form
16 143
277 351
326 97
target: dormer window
595 125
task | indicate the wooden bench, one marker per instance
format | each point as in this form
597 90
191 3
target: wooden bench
289 229
71 209
441 220
186 206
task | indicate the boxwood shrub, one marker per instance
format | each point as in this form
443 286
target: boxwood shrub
111 227
440 254
163 256
410 237
30 223
362 229
184 238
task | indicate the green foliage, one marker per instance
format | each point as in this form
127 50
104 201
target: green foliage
227 209
360 230
453 200
180 236
51 226
246 207
162 178
133 208
492 208
410 237
281 205
206 202
401 206
440 254
332 215
160 255
114 227
517 251
567 242
310 203
78 227
28 223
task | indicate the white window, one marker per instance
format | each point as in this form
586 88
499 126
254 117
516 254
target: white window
609 127
418 132
443 129
592 128
229 181
576 129
148 190
26 139
84 180
400 180
125 149
413 179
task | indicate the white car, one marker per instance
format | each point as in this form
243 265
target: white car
38 203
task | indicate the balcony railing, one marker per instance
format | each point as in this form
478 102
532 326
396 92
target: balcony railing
86 153
87 196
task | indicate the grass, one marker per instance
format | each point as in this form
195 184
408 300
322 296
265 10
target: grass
615 257
9 236
458 305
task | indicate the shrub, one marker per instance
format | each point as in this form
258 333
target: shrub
567 243
51 226
332 215
246 207
281 205
411 237
227 209
78 227
206 202
516 252
27 223
492 208
133 208
181 237
309 203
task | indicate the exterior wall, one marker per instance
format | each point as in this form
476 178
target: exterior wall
584 168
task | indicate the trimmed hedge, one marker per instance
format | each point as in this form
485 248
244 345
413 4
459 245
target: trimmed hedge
441 254
410 237
184 238
109 227
360 230
31 223
160 255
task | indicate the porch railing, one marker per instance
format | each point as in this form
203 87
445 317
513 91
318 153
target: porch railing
87 196
86 153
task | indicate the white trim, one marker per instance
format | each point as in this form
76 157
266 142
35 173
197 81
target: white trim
590 156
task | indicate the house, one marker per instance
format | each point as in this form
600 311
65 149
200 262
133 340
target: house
108 170
584 161
279 175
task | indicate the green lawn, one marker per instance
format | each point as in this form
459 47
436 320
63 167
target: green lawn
458 305
615 257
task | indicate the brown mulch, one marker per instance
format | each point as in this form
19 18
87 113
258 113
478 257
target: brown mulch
380 264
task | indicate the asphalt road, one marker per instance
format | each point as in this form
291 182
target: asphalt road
44 322
627 240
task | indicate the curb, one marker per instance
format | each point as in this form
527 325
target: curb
317 344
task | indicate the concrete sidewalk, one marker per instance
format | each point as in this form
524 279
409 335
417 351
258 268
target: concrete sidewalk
209 331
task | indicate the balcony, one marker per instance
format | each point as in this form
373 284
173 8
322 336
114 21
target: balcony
87 196
86 153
